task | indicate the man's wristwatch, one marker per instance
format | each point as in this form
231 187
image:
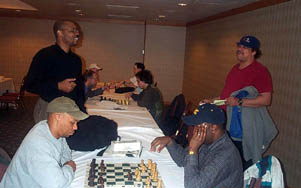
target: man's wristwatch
240 102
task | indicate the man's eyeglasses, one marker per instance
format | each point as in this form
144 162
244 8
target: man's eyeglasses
71 30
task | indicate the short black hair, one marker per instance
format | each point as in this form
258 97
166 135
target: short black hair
88 74
58 25
258 52
145 76
140 65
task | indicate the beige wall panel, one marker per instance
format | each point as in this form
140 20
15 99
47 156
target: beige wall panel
164 56
114 46
210 54
18 44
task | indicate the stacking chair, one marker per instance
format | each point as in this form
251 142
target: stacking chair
265 173
13 98
182 134
170 123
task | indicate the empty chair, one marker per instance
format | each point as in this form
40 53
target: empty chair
182 133
170 123
13 98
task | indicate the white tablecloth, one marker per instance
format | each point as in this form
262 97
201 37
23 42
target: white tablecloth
7 84
133 123
126 116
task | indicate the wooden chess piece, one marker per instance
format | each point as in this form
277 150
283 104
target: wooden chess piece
159 184
149 164
138 176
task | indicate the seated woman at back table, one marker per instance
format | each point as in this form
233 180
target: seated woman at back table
150 97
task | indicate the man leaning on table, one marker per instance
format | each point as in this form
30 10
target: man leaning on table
44 158
211 160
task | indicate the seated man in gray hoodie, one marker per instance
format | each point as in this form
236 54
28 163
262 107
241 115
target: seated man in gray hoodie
211 160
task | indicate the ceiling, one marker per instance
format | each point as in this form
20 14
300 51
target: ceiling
152 11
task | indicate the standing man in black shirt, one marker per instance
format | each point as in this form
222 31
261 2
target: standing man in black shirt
56 71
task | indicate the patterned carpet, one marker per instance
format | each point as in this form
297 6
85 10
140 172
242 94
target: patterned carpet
14 125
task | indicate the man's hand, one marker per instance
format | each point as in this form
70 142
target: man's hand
128 95
67 85
209 100
161 142
204 101
198 137
72 164
232 101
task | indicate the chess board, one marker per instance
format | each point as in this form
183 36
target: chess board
120 101
115 175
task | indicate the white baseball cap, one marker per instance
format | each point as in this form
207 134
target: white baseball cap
95 66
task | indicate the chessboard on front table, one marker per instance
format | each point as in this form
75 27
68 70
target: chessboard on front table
121 175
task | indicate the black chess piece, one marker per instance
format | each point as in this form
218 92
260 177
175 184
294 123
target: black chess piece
130 177
91 182
93 163
92 173
100 181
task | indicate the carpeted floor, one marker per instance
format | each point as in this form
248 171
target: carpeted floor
15 124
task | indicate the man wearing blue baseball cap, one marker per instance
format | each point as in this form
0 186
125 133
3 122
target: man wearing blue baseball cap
211 160
248 72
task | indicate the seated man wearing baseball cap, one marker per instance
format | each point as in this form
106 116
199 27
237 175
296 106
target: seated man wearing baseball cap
211 160
44 158
95 68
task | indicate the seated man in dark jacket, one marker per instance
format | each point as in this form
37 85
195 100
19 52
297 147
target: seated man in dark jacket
150 97
90 80
211 160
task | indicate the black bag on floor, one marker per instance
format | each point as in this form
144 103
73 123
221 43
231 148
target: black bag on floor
93 133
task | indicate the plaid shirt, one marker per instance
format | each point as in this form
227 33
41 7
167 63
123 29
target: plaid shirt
217 165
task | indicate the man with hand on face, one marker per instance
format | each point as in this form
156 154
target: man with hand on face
44 158
56 71
211 160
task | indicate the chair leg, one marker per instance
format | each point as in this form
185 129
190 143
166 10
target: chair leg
21 103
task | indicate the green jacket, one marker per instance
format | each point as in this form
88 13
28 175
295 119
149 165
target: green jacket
152 100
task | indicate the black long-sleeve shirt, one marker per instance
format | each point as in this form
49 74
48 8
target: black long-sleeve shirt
50 66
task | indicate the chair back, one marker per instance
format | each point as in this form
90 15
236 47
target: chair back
266 173
22 90
176 108
181 135
170 123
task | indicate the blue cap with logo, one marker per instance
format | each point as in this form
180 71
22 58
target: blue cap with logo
250 42
206 113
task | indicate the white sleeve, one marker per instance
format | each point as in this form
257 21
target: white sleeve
134 81
66 152
48 172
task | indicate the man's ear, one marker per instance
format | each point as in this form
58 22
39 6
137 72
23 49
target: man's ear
59 32
212 128
58 116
